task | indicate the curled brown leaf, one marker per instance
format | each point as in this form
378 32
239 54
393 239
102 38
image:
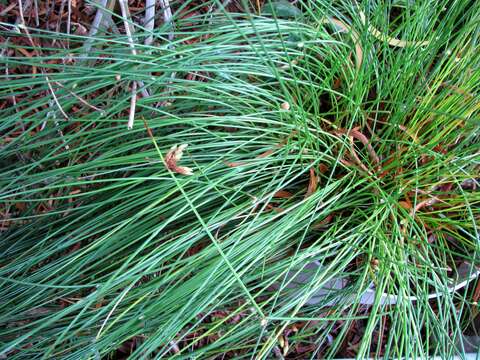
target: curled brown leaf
173 156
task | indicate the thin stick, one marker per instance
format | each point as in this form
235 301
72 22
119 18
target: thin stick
129 31
69 20
133 103
83 101
37 20
94 29
20 18
55 99
167 16
7 9
123 7
149 22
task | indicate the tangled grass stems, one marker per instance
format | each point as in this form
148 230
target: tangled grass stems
102 245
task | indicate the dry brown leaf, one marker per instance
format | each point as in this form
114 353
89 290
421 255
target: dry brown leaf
283 194
312 185
405 204
173 156
21 206
269 207
322 168
356 134
323 222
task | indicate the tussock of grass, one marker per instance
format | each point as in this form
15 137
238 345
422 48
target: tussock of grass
103 244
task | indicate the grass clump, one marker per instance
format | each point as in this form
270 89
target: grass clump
339 134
